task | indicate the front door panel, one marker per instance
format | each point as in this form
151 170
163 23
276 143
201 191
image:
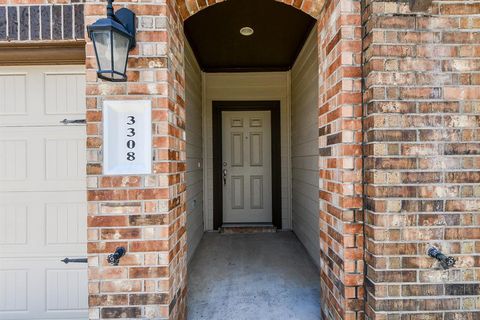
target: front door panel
246 167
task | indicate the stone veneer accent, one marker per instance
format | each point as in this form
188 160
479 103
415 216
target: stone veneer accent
42 22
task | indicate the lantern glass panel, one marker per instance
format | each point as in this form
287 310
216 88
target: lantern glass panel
121 45
103 46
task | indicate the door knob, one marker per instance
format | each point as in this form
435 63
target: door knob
224 177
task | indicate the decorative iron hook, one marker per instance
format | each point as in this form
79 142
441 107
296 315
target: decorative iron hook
74 260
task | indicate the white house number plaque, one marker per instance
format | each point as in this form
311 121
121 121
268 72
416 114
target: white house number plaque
127 137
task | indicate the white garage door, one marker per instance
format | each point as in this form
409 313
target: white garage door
42 193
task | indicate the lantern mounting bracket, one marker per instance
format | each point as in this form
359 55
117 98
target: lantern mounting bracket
127 18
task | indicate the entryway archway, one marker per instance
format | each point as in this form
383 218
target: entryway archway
156 205
255 110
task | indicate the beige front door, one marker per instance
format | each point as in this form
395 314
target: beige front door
43 207
246 167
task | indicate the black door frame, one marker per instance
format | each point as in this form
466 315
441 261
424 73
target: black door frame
217 108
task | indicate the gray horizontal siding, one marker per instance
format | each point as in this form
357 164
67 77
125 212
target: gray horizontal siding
305 200
194 174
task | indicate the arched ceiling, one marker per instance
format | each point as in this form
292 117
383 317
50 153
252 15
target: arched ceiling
279 33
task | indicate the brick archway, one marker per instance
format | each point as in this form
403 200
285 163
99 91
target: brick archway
154 206
421 150
188 8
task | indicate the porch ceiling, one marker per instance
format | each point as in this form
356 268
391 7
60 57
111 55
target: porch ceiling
279 33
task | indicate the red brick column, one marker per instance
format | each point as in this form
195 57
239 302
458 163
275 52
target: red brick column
145 213
177 152
422 104
340 160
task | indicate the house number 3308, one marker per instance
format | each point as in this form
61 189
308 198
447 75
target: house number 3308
131 140
127 137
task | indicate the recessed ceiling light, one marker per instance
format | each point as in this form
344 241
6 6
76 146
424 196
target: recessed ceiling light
246 31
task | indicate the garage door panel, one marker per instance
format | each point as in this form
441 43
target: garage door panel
41 95
41 251
65 223
62 158
46 223
64 93
57 154
13 162
43 207
13 290
65 289
13 99
47 289
13 224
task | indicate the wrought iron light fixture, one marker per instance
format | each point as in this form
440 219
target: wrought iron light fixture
113 37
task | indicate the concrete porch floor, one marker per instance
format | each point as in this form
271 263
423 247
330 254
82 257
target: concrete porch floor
252 276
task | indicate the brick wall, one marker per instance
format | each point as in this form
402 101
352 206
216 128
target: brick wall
340 161
41 22
422 116
145 214
421 157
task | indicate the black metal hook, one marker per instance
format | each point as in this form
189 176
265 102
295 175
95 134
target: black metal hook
74 260
114 258
445 262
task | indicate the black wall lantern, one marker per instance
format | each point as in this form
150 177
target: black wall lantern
113 37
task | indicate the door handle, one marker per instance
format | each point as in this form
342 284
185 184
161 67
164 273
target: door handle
224 177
